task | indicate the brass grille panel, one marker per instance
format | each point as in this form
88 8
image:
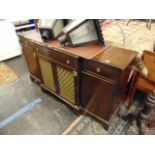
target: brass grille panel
66 84
47 73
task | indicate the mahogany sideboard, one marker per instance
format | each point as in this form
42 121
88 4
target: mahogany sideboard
91 78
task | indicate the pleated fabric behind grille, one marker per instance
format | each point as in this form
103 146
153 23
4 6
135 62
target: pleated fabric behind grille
66 84
47 73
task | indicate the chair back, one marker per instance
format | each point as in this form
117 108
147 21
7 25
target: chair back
149 60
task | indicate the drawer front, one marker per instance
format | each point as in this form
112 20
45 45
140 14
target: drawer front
53 54
101 69
66 59
57 56
42 49
26 42
36 46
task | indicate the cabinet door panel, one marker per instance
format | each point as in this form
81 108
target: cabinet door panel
47 73
97 95
66 82
31 59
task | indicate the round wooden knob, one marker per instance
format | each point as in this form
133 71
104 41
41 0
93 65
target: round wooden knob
68 62
98 70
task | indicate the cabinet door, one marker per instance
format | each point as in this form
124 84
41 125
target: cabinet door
31 59
67 80
47 73
97 95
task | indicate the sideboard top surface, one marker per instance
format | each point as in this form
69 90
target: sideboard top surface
86 51
110 55
116 56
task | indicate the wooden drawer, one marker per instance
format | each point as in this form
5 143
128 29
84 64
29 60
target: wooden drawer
54 54
65 59
101 69
26 42
57 56
42 49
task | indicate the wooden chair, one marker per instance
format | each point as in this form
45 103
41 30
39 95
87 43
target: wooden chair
146 84
148 23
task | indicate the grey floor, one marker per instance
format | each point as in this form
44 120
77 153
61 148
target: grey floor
49 117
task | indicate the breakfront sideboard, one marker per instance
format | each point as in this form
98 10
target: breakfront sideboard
91 78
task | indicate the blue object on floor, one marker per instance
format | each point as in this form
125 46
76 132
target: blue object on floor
19 113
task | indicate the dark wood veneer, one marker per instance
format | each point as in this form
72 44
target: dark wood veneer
99 74
101 69
99 99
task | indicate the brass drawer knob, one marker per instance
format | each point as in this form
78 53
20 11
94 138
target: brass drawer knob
98 70
68 62
75 73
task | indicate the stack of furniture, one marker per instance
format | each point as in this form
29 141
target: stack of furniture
147 85
91 79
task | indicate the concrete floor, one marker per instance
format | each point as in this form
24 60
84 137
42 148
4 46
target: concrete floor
49 117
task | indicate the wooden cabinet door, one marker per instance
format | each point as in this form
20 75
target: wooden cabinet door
97 95
67 83
47 73
31 59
